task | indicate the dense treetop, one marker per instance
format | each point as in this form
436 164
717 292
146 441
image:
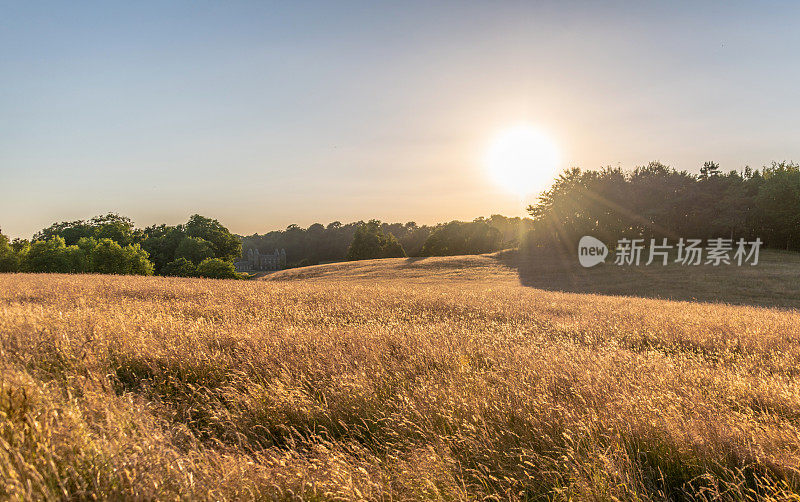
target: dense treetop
325 243
656 201
110 244
370 241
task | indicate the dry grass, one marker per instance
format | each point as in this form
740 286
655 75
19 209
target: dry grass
772 283
393 380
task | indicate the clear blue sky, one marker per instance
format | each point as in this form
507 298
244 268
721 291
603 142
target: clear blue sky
265 114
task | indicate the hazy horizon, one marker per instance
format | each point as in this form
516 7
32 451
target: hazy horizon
263 115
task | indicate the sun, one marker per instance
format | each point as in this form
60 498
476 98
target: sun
522 160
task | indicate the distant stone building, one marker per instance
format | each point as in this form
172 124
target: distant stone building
254 261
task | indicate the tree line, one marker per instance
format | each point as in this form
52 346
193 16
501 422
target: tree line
110 244
375 239
203 247
657 201
652 201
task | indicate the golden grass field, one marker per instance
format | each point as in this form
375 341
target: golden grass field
401 379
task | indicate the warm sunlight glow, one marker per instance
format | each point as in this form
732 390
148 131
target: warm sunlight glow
522 160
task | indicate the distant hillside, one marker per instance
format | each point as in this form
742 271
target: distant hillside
434 268
774 282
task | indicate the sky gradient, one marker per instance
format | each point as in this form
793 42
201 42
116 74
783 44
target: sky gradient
266 114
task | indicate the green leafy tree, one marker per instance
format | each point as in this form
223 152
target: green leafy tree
80 255
108 257
20 246
137 260
179 268
392 247
112 226
369 241
161 243
9 259
194 249
199 239
215 268
224 244
87 245
52 255
70 231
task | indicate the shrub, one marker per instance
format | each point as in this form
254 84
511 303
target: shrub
52 255
179 268
108 257
137 260
214 268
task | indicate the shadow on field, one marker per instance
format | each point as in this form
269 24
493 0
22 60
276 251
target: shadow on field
774 282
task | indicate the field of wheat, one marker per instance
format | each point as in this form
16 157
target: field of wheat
437 379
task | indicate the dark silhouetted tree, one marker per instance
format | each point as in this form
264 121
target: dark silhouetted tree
369 241
709 169
457 238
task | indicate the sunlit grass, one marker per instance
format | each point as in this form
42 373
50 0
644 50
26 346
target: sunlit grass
440 378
